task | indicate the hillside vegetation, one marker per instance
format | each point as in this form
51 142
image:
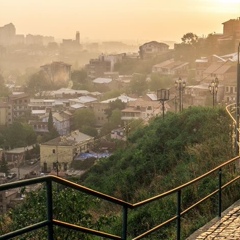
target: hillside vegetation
158 157
163 155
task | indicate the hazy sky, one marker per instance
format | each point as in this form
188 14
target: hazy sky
135 20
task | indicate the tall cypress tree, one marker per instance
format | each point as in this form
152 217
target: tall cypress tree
51 128
3 164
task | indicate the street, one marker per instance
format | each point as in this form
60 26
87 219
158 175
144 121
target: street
26 169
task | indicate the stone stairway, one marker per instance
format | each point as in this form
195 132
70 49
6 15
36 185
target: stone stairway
226 227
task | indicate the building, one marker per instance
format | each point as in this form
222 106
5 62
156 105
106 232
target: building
141 109
68 93
99 109
228 40
85 101
224 69
199 95
62 121
13 108
5 114
172 67
113 59
152 49
16 156
38 126
34 39
19 105
57 72
61 151
97 67
231 33
9 37
7 34
72 44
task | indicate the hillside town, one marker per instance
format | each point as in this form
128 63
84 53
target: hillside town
75 108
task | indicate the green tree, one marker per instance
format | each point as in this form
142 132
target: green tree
50 121
84 117
115 118
69 206
188 49
138 84
79 76
111 94
3 164
52 131
19 135
29 134
117 104
91 131
190 38
80 80
38 83
159 81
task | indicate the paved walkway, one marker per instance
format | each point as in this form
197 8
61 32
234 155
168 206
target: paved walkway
226 227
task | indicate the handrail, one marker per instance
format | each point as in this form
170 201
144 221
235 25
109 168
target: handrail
236 125
184 185
50 222
229 111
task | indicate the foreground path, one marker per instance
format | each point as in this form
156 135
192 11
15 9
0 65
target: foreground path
226 227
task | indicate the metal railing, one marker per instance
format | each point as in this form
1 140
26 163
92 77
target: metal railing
232 112
50 222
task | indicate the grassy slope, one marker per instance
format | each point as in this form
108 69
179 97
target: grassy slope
162 156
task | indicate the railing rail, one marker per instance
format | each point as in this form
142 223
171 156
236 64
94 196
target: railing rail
50 222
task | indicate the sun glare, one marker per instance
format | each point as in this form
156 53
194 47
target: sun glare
225 6
227 2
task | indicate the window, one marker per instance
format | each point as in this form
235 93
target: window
53 151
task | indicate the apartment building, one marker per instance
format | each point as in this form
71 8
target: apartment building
152 49
57 72
19 105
